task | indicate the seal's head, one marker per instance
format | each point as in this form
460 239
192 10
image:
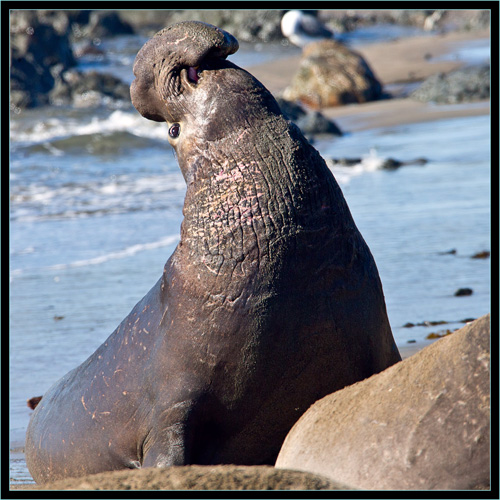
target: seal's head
171 63
183 78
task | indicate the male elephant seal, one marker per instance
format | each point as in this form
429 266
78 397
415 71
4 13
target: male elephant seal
270 301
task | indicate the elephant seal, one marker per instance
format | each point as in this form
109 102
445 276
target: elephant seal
270 301
430 428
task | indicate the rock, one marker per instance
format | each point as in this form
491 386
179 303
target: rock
59 20
438 335
263 25
425 323
148 21
330 74
89 50
221 477
463 292
343 162
42 59
371 161
485 254
463 85
88 89
423 423
256 25
464 20
245 25
106 23
445 20
453 251
310 122
33 402
467 320
39 54
392 164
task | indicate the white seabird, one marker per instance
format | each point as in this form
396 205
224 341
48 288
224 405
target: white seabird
301 28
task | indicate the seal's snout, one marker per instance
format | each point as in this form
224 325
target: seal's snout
206 41
182 46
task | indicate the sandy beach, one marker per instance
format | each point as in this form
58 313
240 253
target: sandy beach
398 61
394 62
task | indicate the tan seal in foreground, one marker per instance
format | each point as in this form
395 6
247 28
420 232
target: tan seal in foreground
422 424
270 301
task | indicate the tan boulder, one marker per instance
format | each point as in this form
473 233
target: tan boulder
331 74
423 423
197 477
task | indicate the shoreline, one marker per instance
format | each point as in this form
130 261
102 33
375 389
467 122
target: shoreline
399 111
404 60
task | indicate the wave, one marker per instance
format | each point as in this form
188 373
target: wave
50 129
100 259
120 254
68 195
124 193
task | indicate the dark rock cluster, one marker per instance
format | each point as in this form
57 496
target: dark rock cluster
438 20
42 57
245 25
309 121
385 163
263 25
40 53
87 89
463 85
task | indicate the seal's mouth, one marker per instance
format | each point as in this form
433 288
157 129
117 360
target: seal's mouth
173 61
193 74
190 76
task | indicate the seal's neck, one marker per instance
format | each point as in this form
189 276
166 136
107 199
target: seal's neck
270 187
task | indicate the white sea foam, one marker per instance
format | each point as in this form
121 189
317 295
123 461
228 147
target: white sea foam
60 128
100 259
368 163
123 193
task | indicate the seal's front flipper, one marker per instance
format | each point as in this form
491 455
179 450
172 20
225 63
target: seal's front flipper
170 451
169 442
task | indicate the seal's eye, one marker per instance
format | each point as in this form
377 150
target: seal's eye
174 130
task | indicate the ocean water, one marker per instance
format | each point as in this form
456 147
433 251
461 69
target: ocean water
96 200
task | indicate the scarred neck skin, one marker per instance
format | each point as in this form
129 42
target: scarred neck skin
240 207
255 187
